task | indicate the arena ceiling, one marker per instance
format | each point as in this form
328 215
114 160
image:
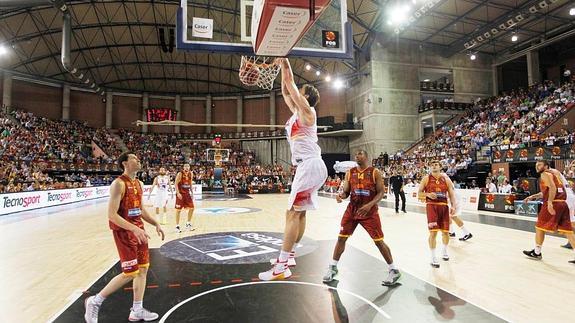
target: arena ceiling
116 43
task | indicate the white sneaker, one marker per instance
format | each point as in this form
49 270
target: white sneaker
142 315
189 227
92 309
291 261
445 257
178 230
278 271
434 263
392 277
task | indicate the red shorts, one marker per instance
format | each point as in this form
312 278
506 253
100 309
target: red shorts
552 223
132 255
437 217
370 223
186 202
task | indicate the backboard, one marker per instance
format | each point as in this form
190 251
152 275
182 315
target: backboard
224 26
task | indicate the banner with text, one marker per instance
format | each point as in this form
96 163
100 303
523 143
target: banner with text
507 154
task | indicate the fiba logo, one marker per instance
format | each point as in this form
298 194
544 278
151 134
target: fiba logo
330 39
231 247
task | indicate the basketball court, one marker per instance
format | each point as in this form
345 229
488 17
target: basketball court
210 275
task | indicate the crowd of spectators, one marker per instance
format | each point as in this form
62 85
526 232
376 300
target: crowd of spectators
519 117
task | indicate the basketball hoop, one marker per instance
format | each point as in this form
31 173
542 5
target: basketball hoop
259 71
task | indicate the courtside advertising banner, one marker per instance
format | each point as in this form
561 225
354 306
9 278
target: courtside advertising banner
468 199
25 201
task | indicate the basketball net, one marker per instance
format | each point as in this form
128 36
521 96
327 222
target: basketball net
259 71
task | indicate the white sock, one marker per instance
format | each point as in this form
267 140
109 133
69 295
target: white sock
334 262
284 255
538 249
464 230
444 249
451 230
99 299
432 254
392 266
137 306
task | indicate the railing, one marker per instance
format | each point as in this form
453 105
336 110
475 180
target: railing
436 87
444 105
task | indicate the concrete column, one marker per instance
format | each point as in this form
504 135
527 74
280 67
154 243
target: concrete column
145 105
109 103
7 92
533 73
240 113
178 107
66 102
272 109
495 71
420 128
209 113
433 121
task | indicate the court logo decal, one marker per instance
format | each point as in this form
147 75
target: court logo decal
226 210
231 248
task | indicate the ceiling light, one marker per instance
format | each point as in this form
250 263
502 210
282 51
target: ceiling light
307 67
3 50
514 38
426 80
318 73
338 84
472 57
398 14
572 11
327 78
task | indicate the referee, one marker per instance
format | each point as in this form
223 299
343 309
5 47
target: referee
396 185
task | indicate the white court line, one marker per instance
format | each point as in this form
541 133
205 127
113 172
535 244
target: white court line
379 310
74 296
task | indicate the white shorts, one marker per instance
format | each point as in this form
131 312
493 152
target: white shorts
161 198
309 177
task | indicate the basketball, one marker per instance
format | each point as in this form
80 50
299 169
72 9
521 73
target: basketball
250 74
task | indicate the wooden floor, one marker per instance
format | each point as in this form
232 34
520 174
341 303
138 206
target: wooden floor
48 260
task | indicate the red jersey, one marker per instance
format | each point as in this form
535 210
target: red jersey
362 189
438 186
561 194
185 183
130 205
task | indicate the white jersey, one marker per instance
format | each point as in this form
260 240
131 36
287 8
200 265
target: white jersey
163 183
302 139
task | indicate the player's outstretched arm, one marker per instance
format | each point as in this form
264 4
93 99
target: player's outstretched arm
299 101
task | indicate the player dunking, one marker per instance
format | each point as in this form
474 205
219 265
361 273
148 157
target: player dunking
310 173
365 187
125 215
184 197
436 188
554 214
162 185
